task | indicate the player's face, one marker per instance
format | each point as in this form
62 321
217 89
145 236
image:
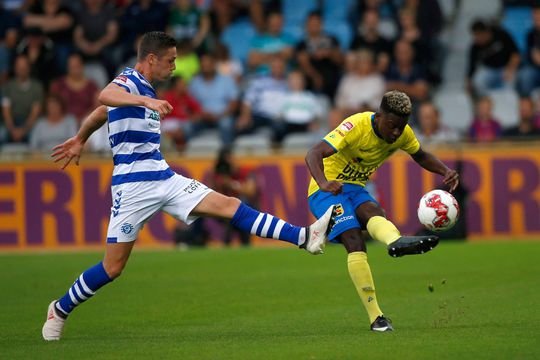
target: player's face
164 64
390 126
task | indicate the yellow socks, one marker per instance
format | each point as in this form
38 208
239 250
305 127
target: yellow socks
363 281
382 230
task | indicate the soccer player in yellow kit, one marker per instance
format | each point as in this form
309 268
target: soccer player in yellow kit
342 163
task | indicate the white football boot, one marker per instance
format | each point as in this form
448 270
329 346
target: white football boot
316 233
52 329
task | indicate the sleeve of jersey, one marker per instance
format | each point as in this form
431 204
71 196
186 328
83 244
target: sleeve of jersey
125 82
411 145
342 136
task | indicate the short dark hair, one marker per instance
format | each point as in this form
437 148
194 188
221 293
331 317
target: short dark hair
154 42
479 26
315 13
397 103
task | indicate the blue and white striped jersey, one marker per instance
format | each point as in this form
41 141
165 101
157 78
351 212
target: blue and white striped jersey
134 135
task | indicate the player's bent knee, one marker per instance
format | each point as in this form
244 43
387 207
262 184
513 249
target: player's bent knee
114 269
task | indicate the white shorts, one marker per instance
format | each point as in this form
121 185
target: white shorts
134 203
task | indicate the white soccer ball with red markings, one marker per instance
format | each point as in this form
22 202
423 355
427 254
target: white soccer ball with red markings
438 210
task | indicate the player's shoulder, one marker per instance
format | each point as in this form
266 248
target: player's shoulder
357 123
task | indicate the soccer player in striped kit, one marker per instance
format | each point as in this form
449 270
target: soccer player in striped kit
143 183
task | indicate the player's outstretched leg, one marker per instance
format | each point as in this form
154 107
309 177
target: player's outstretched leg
243 217
311 238
383 230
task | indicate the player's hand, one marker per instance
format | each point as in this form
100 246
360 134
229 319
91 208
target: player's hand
67 151
161 106
451 179
334 187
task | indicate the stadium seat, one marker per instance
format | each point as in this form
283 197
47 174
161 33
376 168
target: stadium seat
259 143
455 108
205 144
505 106
237 37
342 31
300 142
333 12
517 21
296 11
96 72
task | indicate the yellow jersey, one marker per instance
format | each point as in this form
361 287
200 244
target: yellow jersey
360 151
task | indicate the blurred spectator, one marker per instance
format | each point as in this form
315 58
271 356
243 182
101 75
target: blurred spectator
218 96
226 10
493 59
410 32
263 98
78 92
526 129
430 52
529 75
361 89
406 75
428 16
139 17
21 101
185 109
56 22
485 127
232 180
187 62
8 41
272 43
431 131
186 22
96 30
54 128
226 65
40 53
370 38
299 109
320 57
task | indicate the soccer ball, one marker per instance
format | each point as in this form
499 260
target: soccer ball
438 210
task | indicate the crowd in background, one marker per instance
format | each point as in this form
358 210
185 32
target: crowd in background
287 66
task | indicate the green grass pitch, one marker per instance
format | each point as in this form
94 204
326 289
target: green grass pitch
276 303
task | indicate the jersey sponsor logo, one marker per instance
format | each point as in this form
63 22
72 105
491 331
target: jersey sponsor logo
343 219
122 78
347 126
154 115
193 186
340 132
352 173
126 228
338 210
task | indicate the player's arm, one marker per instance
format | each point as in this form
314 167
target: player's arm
314 161
116 96
431 163
72 148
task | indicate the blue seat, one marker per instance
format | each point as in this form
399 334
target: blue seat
518 21
237 37
296 11
337 10
341 31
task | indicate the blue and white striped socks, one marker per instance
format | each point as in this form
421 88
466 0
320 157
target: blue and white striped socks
83 288
267 226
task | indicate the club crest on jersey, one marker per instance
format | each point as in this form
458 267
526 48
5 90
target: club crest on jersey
338 210
347 126
126 228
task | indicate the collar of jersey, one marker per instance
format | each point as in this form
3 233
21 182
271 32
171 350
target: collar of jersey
375 128
146 82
